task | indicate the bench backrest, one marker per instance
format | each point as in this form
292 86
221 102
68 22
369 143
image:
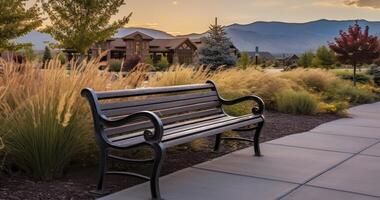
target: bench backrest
172 104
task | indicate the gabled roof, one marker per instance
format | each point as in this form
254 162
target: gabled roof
133 35
163 45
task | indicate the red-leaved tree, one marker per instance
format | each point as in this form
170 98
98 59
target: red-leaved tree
356 47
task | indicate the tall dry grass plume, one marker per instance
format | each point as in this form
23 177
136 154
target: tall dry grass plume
180 75
44 121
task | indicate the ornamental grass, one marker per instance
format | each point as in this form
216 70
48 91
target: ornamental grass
44 122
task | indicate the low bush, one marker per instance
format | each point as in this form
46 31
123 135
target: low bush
339 108
237 82
311 79
344 91
115 66
296 102
44 121
162 65
361 77
375 72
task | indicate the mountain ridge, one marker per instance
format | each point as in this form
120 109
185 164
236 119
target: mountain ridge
274 36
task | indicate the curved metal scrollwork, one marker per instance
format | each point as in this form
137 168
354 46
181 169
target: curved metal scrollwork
256 110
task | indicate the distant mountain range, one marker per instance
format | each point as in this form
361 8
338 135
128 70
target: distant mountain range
275 37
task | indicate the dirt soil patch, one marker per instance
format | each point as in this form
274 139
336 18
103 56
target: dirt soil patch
80 180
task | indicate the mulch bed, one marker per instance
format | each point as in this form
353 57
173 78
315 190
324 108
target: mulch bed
79 180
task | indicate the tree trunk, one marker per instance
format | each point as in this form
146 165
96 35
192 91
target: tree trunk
354 78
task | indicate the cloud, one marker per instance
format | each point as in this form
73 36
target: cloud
363 3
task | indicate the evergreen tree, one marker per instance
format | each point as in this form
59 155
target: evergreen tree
324 58
78 24
15 21
47 55
306 60
216 51
244 60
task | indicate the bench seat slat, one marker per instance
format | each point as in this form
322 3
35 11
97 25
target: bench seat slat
210 132
200 131
155 100
183 126
166 120
235 120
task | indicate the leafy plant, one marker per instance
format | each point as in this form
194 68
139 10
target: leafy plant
360 77
296 102
306 59
324 58
244 60
340 90
80 24
356 47
163 64
375 72
115 66
16 20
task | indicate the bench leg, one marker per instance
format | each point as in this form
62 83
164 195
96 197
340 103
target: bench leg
102 172
256 140
218 139
159 151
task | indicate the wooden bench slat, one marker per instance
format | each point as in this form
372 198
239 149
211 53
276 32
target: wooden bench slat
167 120
210 132
161 106
172 128
186 136
155 100
208 127
150 91
182 127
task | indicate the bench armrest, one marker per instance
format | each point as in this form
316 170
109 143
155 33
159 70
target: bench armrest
257 110
150 137
99 118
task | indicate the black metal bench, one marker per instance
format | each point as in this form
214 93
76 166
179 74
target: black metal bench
163 117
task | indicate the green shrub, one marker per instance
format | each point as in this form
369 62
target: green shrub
361 77
294 102
342 90
115 66
163 64
375 72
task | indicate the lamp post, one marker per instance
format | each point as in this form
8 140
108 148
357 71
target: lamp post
257 56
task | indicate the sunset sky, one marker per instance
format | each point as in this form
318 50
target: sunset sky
188 16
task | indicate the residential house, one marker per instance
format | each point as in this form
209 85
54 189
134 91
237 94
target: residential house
288 61
177 50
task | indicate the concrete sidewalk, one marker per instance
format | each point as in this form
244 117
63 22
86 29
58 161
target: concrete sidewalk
339 160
